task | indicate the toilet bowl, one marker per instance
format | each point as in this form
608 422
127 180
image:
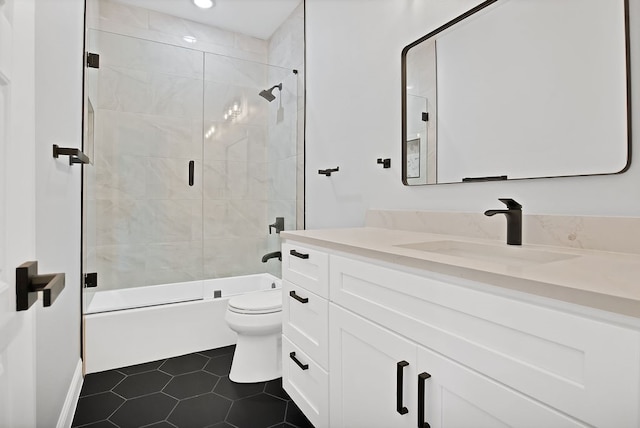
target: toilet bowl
257 319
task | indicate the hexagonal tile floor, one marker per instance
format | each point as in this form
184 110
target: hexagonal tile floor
190 391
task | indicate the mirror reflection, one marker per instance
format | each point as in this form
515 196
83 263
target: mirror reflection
518 89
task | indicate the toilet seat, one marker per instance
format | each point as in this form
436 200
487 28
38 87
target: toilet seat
261 302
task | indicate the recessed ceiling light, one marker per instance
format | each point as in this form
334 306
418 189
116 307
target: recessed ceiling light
204 4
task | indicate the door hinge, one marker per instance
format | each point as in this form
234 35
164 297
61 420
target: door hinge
91 279
93 60
425 116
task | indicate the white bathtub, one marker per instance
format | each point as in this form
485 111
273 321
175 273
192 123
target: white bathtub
133 326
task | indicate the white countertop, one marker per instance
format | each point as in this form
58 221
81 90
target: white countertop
598 279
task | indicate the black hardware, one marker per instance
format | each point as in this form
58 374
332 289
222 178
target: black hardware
514 220
295 71
293 294
29 283
299 255
425 116
292 355
278 225
399 383
490 178
93 60
328 172
75 155
91 280
422 377
273 255
386 163
217 294
191 170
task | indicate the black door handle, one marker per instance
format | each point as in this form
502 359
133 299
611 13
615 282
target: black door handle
191 167
299 255
399 383
293 294
292 355
422 377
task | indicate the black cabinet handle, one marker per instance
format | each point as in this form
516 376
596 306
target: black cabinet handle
293 294
399 383
421 384
299 255
292 355
191 167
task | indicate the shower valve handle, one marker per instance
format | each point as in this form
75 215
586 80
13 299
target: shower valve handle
278 225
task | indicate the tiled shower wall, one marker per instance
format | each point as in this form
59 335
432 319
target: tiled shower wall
152 227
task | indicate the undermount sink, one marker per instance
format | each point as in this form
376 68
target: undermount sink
505 255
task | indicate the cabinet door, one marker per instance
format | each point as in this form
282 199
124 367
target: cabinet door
363 380
458 397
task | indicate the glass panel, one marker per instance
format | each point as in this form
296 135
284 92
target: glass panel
250 163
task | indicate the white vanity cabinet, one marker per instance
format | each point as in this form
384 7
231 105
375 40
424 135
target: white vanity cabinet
488 358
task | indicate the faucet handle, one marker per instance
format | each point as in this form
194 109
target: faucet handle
511 204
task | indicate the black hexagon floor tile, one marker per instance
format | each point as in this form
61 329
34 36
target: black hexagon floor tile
141 384
140 368
233 391
274 387
200 411
142 411
197 393
191 384
258 411
212 353
95 408
101 382
101 424
184 364
220 365
296 418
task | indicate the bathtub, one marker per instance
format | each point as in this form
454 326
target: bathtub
133 326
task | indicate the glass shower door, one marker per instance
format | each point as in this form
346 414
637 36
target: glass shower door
145 191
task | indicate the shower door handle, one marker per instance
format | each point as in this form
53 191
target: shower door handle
191 168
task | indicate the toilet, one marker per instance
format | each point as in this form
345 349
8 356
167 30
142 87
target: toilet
257 319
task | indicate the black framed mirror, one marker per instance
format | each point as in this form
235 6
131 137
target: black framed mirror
516 89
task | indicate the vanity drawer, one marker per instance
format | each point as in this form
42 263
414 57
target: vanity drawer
585 367
305 321
306 267
308 385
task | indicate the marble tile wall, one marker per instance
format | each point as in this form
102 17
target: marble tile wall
617 234
155 102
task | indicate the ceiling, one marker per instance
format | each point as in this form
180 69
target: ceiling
257 18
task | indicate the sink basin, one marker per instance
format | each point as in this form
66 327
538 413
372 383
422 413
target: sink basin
505 255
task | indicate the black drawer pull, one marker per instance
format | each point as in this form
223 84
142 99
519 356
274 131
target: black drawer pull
293 294
399 383
191 171
299 255
292 355
421 378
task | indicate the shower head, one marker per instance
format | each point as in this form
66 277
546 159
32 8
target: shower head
267 94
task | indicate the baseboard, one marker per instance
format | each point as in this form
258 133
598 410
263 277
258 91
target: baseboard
71 401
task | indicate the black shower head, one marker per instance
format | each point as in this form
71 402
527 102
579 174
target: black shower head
267 94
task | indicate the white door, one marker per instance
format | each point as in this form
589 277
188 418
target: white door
458 397
363 379
17 211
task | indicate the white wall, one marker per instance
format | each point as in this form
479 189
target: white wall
353 117
58 89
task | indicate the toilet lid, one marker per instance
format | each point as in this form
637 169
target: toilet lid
259 302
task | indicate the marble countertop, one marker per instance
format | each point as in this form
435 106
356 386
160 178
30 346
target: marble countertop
603 280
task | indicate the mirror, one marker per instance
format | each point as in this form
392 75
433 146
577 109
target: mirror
517 89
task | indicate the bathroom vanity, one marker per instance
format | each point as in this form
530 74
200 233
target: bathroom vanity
390 328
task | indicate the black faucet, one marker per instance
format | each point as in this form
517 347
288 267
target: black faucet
514 220
278 225
273 255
